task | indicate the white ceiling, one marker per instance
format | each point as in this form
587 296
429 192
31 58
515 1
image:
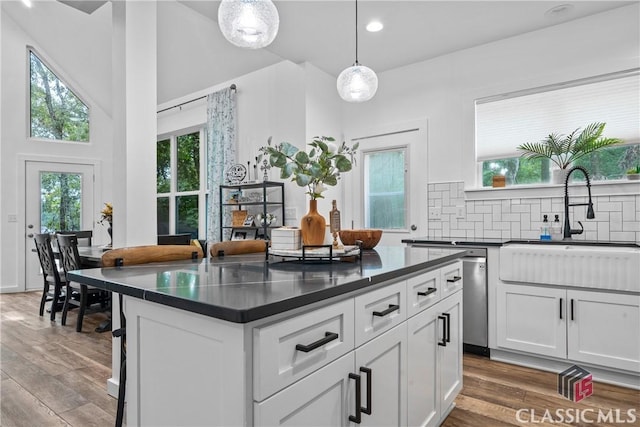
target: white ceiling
193 55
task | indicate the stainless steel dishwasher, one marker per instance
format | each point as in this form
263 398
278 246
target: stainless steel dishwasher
474 302
474 297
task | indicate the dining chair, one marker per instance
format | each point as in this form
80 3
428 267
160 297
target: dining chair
136 255
68 247
50 274
174 239
238 247
85 235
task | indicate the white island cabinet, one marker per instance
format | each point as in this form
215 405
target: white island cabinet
362 358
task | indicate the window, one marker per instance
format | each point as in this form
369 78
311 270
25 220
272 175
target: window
385 192
55 111
506 121
60 201
181 200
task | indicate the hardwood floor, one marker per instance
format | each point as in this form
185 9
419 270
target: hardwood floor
51 375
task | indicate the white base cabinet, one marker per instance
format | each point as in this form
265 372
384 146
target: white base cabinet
435 360
600 328
604 329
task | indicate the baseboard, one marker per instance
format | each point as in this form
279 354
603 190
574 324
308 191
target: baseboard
112 387
608 376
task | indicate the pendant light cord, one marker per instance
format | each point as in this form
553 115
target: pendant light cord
357 32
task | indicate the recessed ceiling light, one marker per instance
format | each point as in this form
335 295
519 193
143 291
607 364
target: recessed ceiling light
27 3
559 11
374 26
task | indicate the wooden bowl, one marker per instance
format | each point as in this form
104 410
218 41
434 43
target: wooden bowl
369 237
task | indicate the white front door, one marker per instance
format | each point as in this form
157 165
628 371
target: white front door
58 196
388 187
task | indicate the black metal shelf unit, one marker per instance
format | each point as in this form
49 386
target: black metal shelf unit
269 201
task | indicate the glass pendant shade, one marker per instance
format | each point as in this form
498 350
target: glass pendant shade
251 24
357 83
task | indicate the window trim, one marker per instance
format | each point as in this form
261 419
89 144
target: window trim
69 83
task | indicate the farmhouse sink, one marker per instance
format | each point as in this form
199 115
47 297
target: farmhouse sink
604 266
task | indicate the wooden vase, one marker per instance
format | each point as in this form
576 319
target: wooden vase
313 226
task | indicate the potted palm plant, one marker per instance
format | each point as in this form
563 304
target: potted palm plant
564 150
633 173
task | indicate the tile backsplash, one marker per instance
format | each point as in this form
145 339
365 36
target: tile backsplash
450 215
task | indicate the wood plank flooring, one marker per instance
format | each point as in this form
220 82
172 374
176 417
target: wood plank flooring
51 375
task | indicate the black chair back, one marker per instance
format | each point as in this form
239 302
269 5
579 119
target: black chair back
85 235
174 239
45 254
68 247
50 274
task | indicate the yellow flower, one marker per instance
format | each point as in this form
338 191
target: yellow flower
106 214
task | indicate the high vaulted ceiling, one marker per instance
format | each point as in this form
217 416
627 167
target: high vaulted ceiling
193 55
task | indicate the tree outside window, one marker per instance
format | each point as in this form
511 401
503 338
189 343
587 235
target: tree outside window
56 112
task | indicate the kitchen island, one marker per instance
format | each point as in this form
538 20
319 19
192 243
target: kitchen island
248 341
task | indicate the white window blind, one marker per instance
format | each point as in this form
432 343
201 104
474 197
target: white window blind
504 122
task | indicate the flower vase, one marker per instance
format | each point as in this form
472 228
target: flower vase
110 231
313 225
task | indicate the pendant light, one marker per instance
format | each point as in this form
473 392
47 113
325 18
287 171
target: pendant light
357 83
252 24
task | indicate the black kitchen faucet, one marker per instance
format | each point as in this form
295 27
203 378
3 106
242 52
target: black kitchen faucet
590 214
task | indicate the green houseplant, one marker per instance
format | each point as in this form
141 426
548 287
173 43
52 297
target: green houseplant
564 150
321 166
316 169
633 173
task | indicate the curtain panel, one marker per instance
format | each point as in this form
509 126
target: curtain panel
221 151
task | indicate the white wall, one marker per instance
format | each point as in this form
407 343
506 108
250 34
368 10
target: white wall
444 89
286 101
14 141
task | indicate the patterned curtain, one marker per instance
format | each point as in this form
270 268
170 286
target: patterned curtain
221 151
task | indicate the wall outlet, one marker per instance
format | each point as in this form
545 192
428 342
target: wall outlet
435 214
460 212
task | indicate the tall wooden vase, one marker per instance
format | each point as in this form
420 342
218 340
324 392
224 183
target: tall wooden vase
313 226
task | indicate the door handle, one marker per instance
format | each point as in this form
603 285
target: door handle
367 409
30 226
328 337
448 336
357 418
391 309
30 235
443 343
414 227
427 292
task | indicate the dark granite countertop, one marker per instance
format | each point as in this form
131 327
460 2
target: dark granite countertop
484 242
245 288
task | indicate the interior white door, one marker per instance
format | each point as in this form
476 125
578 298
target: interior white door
369 202
57 196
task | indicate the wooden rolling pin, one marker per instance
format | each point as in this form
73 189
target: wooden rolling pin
152 253
237 247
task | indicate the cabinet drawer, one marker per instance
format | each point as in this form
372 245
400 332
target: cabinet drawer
288 350
451 278
324 398
380 310
423 291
